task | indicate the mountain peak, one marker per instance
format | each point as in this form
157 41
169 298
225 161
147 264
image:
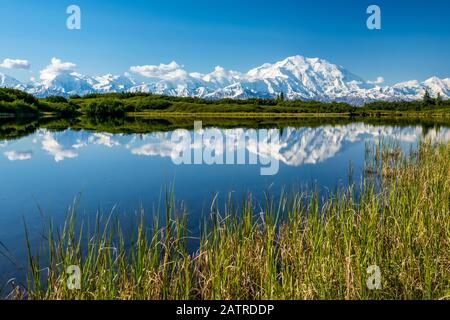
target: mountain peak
297 59
7 81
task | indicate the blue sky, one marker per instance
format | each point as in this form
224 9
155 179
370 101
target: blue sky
414 42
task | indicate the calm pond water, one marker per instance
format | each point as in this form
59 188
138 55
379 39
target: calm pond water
44 171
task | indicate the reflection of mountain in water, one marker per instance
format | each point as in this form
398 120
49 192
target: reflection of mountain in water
296 146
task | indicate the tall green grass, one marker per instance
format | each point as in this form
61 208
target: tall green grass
296 248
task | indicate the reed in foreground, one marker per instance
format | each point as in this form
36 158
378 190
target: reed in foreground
297 248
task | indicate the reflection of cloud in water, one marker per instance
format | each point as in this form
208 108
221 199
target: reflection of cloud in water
296 146
161 149
66 144
154 144
18 155
57 150
105 139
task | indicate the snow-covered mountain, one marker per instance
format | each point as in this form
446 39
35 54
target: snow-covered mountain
67 84
9 82
297 77
111 83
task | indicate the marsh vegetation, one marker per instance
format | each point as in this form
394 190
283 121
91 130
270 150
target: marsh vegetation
298 247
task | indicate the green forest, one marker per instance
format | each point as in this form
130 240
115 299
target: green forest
18 103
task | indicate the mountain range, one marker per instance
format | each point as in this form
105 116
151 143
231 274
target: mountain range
297 77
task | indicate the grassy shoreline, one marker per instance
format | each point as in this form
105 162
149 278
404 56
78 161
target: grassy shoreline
220 117
296 248
237 114
347 115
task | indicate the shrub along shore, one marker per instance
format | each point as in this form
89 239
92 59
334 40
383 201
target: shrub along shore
300 247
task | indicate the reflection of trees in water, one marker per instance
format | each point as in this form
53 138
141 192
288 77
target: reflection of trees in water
11 129
15 128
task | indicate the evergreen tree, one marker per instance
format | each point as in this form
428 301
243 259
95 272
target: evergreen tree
427 100
439 99
280 96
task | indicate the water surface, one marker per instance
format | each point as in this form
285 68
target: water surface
42 170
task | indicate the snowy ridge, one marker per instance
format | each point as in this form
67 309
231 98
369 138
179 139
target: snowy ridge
299 78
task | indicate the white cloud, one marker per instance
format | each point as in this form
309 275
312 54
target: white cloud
18 155
166 71
379 80
15 64
55 68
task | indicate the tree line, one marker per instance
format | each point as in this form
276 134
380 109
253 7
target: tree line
17 102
